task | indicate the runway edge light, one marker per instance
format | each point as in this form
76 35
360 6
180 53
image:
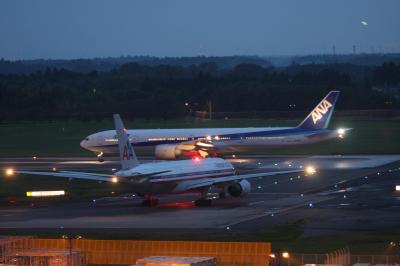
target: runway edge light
398 188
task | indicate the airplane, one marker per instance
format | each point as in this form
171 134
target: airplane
168 177
170 144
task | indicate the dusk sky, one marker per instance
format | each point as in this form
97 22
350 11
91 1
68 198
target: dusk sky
97 28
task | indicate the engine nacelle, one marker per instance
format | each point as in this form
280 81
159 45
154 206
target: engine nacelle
239 189
167 152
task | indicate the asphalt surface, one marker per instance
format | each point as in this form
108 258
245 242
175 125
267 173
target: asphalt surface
348 193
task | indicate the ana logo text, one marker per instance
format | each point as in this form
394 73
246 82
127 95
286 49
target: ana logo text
128 152
320 110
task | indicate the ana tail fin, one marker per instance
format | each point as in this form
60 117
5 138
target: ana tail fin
320 117
126 153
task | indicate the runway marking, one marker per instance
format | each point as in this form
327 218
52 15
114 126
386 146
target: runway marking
275 193
268 212
255 203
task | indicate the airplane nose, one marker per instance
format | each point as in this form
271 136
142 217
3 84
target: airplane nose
84 144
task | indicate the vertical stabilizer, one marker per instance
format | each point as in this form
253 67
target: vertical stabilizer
126 153
320 117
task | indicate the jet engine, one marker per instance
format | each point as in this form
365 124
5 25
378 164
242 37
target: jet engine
167 152
173 152
239 189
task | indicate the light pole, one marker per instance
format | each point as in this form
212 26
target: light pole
70 239
285 255
276 259
272 259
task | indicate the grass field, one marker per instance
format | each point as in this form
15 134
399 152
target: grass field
369 135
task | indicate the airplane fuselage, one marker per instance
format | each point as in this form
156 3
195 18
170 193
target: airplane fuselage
172 143
174 176
223 139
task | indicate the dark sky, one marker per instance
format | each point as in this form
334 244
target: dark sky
96 28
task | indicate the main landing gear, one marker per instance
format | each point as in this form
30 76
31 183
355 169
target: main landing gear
202 202
149 201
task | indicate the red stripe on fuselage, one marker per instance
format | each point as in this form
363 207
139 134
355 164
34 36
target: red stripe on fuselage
178 180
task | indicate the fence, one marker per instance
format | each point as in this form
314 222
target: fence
126 252
9 244
18 251
74 252
340 257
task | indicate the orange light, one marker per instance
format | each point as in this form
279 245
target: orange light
285 255
114 179
10 172
310 170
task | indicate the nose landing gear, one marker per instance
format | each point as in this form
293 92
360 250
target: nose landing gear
100 157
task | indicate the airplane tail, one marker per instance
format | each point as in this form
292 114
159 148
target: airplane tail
126 153
320 116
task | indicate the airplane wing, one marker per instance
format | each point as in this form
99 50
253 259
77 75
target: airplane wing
88 176
77 175
228 179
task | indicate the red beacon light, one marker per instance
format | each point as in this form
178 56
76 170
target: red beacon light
196 159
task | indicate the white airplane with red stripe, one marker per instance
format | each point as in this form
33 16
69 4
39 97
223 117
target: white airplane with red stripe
169 177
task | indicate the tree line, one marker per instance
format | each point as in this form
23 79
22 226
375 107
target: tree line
166 91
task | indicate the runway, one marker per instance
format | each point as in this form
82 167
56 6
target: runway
348 192
255 161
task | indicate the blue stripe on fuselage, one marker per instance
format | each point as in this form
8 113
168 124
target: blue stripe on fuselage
234 136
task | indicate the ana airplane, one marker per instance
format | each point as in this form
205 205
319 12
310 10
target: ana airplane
169 144
168 177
